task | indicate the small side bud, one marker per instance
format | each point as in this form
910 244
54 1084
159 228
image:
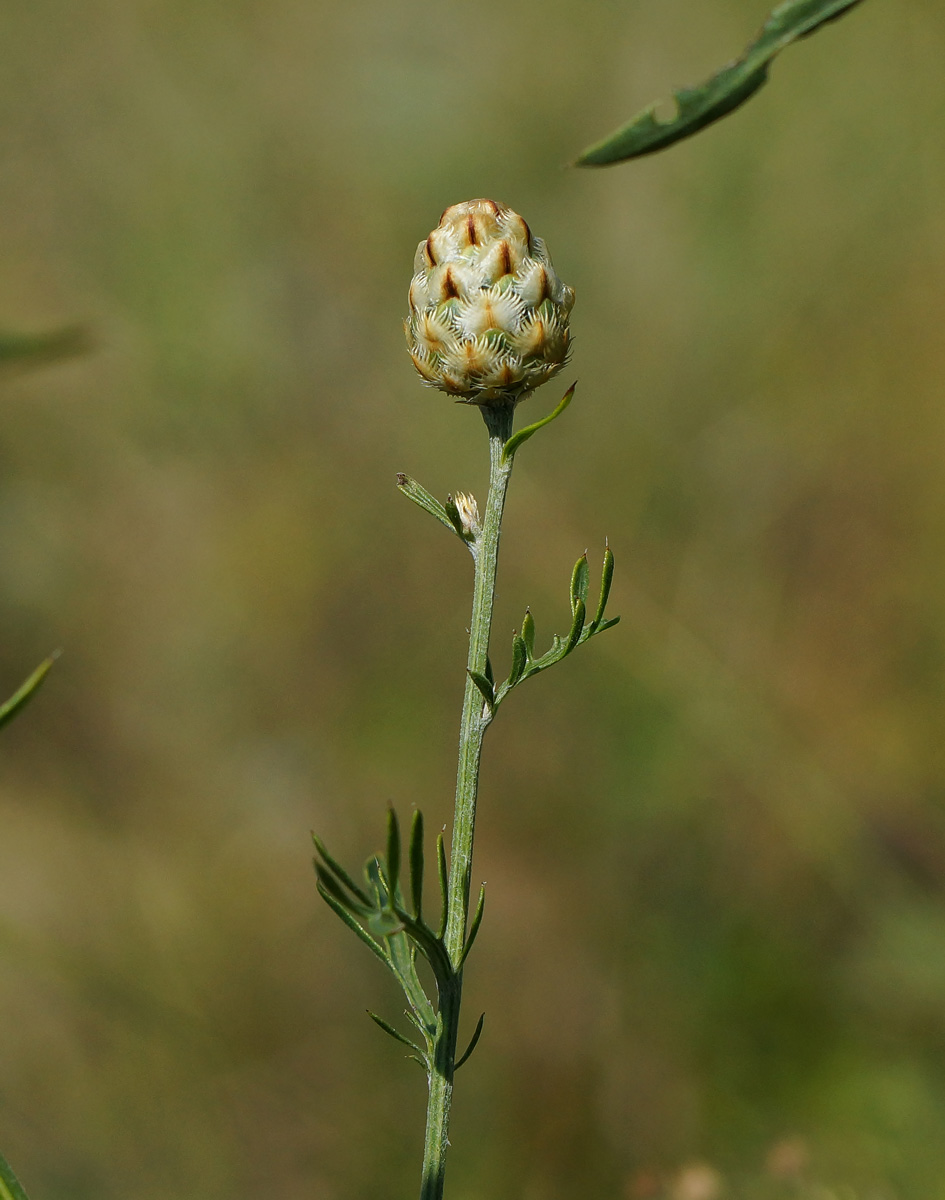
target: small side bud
468 511
463 511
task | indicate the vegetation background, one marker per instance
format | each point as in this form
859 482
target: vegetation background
714 842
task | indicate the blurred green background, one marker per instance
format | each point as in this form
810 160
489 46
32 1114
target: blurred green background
713 961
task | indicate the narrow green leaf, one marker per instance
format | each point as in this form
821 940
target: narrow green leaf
340 911
42 347
393 852
327 880
422 498
10 1186
474 1041
524 434
340 873
579 582
474 926
484 686
443 872
607 624
489 673
26 691
416 862
519 659
377 882
577 628
721 94
528 632
606 579
427 1031
395 1033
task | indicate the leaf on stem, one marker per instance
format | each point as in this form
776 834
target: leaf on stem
524 434
422 498
341 912
26 690
416 862
443 872
393 853
528 632
340 873
474 926
578 634
474 1041
606 579
328 882
725 91
519 660
395 1033
577 628
579 582
484 686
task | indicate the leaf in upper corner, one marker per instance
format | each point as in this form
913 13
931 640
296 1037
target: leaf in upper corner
725 91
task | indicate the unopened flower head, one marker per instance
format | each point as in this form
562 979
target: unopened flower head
488 315
468 512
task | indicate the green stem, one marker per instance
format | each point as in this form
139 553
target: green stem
475 721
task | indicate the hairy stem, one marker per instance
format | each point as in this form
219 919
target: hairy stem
475 720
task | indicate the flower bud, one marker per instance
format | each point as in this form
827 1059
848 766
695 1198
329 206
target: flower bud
488 316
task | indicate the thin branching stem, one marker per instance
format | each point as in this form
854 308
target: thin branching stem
475 719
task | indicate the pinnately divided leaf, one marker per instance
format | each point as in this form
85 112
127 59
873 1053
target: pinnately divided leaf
524 662
725 91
